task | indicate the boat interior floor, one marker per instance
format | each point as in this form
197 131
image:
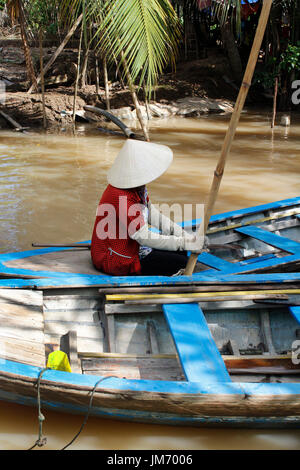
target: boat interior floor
65 261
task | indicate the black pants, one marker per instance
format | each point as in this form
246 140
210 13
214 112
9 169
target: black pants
165 263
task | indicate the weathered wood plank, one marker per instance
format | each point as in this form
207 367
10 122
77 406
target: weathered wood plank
68 344
266 332
21 296
128 309
266 371
20 350
90 345
155 367
72 302
14 330
192 288
111 309
152 335
74 316
21 326
148 368
84 330
111 334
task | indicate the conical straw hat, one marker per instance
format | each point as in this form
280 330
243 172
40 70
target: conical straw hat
139 163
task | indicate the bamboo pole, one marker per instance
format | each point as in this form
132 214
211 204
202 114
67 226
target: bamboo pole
274 102
232 126
199 295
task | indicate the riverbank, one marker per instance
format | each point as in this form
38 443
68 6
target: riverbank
195 88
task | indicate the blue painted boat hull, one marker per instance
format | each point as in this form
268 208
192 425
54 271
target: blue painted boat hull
75 391
207 395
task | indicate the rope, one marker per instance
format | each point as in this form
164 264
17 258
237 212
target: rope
41 441
89 410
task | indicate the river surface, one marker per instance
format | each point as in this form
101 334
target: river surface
49 190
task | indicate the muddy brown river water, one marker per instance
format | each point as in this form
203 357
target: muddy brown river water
49 189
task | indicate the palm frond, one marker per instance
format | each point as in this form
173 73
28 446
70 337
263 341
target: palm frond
146 32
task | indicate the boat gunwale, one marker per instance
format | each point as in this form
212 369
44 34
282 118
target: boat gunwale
245 389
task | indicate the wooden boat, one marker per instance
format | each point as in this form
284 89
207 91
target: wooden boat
219 348
264 238
228 358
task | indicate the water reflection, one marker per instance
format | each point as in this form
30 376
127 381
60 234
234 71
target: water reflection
19 428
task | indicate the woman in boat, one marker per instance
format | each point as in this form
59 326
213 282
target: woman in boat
122 242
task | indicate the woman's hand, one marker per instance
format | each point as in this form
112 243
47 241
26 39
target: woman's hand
193 242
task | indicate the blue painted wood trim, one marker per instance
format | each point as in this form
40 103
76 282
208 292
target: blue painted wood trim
296 313
283 243
90 281
196 348
260 208
159 386
215 262
60 278
247 211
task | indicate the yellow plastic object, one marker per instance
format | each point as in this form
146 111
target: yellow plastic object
58 360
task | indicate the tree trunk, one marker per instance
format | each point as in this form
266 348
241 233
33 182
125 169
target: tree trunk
106 84
83 74
97 77
27 52
42 78
135 99
232 51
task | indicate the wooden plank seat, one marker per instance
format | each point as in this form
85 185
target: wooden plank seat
196 348
277 241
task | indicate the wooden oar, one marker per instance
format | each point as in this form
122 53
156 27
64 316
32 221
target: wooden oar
232 126
86 246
